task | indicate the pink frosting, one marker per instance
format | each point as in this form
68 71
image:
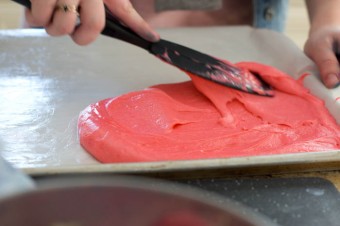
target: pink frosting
199 119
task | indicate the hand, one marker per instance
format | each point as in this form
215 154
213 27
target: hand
321 47
324 39
59 17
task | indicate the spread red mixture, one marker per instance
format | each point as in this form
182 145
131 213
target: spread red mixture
199 119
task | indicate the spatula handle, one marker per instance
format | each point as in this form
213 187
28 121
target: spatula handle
25 3
113 28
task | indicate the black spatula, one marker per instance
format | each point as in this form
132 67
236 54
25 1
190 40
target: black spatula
186 59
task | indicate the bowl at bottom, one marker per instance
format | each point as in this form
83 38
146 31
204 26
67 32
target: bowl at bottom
122 201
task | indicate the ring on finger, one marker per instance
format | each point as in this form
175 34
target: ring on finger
68 8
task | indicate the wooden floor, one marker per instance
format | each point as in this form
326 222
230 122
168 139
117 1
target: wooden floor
297 24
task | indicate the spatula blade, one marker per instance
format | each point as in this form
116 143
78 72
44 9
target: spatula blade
210 68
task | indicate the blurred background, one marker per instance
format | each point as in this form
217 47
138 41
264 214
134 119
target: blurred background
296 29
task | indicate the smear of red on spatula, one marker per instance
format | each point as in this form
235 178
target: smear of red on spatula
199 119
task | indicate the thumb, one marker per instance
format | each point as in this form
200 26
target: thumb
327 62
127 14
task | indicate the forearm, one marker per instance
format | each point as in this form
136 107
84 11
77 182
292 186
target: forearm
323 12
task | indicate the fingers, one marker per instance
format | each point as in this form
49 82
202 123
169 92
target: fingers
59 17
41 12
58 20
64 20
329 67
125 12
92 21
92 17
321 51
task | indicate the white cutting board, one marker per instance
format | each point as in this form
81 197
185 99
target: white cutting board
45 82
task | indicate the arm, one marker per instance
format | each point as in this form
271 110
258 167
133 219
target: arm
324 38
